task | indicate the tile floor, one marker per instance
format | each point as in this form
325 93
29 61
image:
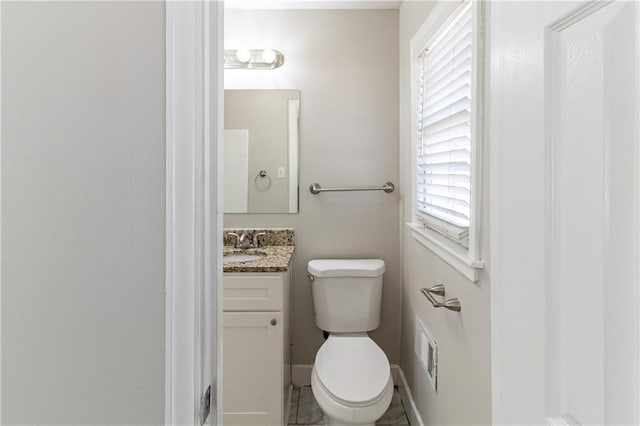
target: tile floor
304 409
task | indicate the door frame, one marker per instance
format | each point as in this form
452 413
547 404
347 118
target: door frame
0 212
194 72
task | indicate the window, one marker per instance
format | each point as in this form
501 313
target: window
443 181
446 85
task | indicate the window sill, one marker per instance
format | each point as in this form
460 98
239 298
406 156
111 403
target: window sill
447 250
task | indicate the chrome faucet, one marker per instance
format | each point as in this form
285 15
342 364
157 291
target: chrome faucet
242 241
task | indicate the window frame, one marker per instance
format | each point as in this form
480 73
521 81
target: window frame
466 260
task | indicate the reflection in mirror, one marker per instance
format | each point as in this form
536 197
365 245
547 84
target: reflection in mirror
261 151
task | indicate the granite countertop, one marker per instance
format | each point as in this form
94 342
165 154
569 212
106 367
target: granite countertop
276 259
277 251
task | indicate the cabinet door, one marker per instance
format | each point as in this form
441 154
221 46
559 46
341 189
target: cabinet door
253 292
253 363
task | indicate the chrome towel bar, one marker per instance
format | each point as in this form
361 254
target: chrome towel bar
438 289
387 187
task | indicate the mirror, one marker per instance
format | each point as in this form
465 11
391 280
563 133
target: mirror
261 151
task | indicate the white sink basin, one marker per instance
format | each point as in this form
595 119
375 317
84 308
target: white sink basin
237 258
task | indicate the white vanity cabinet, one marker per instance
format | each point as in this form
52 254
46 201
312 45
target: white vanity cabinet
256 345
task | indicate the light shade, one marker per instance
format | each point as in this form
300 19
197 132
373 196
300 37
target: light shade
243 55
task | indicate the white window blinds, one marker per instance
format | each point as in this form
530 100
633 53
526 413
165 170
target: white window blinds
444 129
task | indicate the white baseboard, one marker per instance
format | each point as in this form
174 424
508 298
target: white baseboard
395 374
301 376
405 394
287 406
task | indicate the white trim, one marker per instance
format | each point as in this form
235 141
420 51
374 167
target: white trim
406 395
189 222
287 406
294 116
0 212
301 374
466 261
395 374
313 4
180 217
478 127
453 254
637 84
215 210
497 317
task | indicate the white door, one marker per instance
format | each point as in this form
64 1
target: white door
564 97
83 266
253 366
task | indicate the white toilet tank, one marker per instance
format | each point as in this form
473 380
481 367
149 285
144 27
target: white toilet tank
347 293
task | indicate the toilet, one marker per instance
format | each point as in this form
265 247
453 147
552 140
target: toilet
351 378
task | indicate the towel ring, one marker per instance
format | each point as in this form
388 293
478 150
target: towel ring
262 174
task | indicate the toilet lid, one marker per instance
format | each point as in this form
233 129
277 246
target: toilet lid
354 369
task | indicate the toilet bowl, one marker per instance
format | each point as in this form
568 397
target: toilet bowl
351 377
351 380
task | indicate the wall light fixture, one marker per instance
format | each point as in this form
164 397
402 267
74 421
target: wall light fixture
252 59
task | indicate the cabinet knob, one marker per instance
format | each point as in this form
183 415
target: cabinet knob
274 321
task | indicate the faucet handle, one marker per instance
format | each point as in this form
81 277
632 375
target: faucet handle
256 242
233 234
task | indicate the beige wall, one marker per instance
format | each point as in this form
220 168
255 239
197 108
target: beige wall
345 65
464 379
83 171
265 113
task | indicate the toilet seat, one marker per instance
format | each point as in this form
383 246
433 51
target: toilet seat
353 370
